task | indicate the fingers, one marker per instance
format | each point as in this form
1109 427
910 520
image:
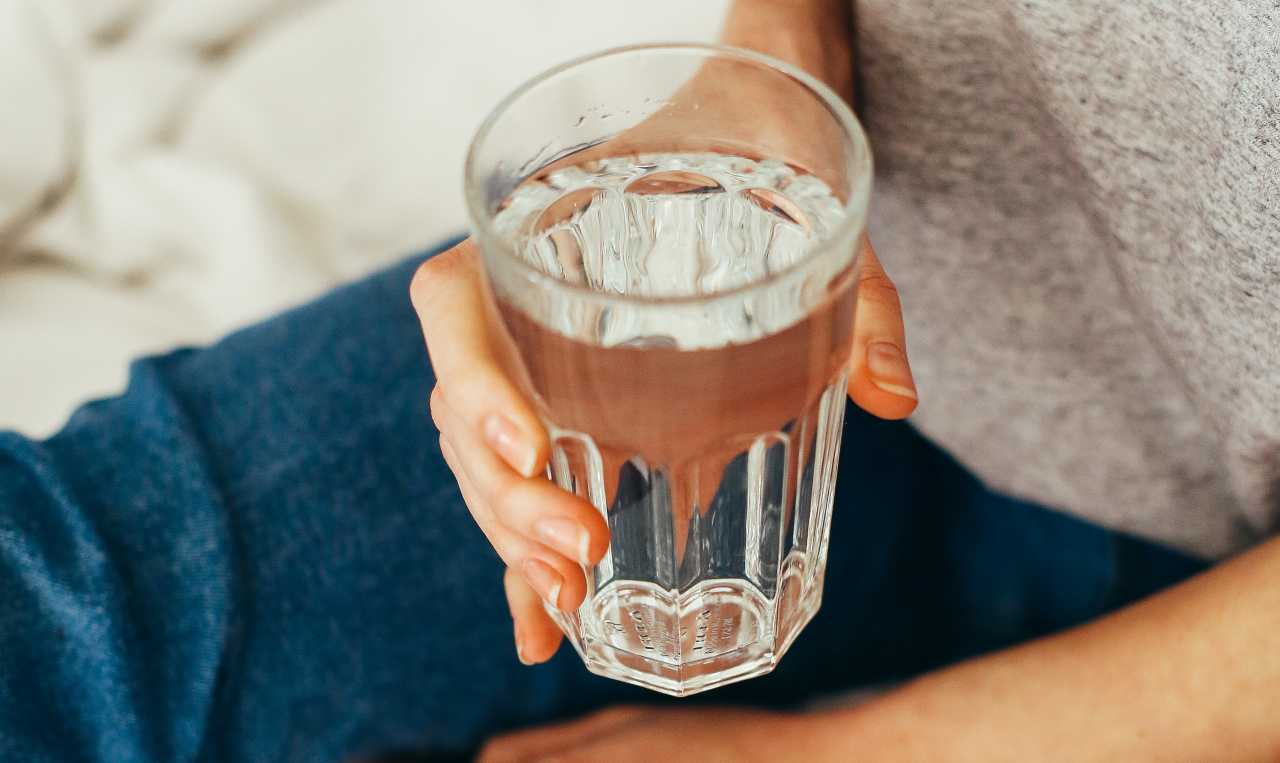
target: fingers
880 381
537 636
534 509
495 433
557 580
497 449
447 292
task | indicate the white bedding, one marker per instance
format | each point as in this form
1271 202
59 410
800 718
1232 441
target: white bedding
171 170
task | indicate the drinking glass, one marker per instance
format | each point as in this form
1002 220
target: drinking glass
670 238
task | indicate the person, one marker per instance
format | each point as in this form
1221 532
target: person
257 552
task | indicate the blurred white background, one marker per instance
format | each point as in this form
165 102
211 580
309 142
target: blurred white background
172 170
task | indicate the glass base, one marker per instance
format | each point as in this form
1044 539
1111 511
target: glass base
715 563
724 630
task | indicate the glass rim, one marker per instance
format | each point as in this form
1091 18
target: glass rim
854 208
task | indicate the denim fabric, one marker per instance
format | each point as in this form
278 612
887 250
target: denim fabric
257 554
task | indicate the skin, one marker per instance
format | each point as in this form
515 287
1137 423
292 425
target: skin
1190 674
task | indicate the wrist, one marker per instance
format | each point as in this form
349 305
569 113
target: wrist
814 35
802 6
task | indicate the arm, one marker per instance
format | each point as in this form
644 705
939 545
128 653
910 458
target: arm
1190 674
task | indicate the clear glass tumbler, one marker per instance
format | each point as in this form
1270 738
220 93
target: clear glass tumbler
670 237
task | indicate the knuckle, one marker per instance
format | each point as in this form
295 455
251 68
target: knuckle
423 282
473 389
498 540
879 288
506 495
437 406
436 274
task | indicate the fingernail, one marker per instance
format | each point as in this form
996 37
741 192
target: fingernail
503 437
566 536
544 580
889 371
520 647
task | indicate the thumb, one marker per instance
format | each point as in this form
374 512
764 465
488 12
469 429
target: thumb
880 381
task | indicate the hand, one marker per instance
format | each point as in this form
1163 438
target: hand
624 734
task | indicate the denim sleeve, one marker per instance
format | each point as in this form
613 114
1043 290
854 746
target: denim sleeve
117 560
255 553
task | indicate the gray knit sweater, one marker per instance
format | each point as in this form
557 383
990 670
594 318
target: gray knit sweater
1081 204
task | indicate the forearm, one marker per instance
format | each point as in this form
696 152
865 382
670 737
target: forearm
1190 674
814 35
